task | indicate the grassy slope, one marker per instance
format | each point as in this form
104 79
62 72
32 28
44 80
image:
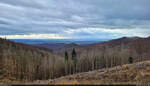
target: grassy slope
126 74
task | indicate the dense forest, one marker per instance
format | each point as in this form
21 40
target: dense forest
25 62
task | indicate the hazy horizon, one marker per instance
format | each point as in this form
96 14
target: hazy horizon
54 41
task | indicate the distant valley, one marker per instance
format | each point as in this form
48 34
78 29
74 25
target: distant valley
56 44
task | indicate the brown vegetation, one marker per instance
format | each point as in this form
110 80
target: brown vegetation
137 73
28 63
24 62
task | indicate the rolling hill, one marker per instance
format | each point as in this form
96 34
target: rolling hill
136 47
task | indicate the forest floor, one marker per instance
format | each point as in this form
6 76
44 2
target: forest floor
135 73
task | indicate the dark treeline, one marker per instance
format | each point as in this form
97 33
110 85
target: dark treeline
24 62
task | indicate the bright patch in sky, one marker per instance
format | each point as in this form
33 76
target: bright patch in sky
74 19
33 36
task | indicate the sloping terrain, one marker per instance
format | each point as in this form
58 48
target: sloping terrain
136 47
126 74
21 62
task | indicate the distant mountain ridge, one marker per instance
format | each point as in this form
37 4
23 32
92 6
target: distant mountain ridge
65 41
56 46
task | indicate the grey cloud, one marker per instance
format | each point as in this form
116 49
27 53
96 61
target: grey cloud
56 16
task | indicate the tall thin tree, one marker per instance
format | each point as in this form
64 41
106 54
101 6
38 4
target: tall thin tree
66 62
74 58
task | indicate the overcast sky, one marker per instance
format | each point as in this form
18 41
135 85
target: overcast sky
74 19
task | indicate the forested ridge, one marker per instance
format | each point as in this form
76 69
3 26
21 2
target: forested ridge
27 63
24 62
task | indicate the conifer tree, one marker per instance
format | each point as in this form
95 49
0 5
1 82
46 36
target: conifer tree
130 60
66 56
66 62
74 58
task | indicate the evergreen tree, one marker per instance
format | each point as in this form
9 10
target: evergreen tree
66 56
66 62
130 60
74 58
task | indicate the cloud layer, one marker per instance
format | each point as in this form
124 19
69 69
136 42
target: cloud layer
74 18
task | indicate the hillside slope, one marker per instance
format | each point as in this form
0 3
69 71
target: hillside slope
125 74
136 47
21 62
